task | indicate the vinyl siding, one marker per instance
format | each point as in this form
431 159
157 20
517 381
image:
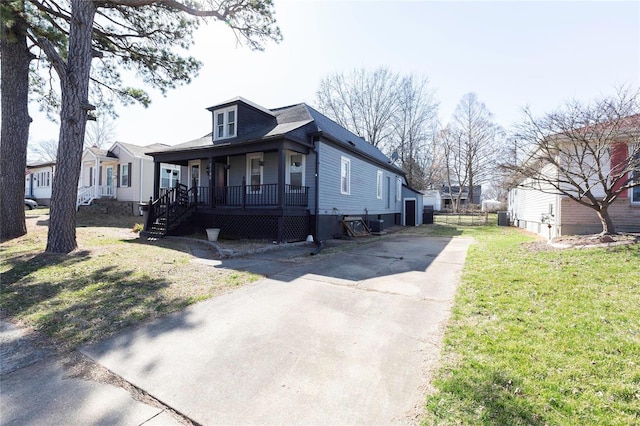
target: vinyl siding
362 199
527 207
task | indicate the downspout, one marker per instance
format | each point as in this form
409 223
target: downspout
316 149
140 199
95 178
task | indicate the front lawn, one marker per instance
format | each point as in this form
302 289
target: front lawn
112 281
540 336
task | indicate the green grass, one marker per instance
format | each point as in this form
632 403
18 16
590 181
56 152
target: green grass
540 336
112 281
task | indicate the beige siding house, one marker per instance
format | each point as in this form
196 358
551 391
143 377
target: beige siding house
122 173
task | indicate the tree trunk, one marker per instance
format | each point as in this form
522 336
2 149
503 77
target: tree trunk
14 132
74 85
608 228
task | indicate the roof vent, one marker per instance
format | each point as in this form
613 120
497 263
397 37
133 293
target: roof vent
351 143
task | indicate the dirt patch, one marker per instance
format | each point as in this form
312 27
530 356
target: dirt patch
582 241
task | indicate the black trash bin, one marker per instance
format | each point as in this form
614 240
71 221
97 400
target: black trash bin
427 215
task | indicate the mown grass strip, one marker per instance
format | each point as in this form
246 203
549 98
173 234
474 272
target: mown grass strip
540 336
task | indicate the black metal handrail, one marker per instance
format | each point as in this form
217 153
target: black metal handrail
171 205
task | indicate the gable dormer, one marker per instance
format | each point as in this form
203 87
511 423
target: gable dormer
239 117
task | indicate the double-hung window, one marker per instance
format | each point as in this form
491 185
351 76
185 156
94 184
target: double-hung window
379 185
254 171
295 173
169 177
398 189
345 175
124 174
225 123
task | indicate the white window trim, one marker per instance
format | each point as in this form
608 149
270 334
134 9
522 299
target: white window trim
379 184
347 161
163 172
398 189
225 123
122 175
260 157
304 167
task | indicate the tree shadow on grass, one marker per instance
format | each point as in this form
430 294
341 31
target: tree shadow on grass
82 305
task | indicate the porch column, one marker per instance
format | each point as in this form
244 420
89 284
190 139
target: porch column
95 177
281 183
156 180
212 180
282 178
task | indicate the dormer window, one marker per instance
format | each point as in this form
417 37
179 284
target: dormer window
224 123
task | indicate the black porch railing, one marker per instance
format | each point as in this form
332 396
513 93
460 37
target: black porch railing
266 195
169 208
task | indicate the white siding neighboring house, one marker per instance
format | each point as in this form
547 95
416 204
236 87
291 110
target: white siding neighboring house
540 210
123 173
431 197
38 180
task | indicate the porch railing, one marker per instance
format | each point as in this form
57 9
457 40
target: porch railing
266 195
86 194
170 207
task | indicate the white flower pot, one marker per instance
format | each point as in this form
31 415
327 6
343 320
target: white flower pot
212 234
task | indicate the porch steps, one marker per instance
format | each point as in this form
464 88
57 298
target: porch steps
159 229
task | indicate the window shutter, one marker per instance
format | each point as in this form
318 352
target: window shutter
90 176
119 177
130 174
619 155
100 176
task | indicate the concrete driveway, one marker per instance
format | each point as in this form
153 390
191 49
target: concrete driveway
344 338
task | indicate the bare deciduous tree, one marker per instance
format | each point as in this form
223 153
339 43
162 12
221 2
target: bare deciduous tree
589 152
412 127
101 132
470 145
394 113
362 101
45 150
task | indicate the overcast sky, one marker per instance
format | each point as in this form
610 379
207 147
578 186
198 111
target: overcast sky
511 54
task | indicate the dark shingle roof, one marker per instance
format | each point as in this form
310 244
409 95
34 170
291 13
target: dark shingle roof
289 119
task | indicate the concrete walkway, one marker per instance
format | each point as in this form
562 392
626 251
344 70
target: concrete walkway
36 388
347 338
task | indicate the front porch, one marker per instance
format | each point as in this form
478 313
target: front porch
87 194
269 211
260 194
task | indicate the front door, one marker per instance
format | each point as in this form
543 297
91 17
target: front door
109 183
410 212
195 174
220 196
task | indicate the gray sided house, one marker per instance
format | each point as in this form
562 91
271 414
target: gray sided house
278 174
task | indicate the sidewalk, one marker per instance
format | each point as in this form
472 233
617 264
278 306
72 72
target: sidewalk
36 388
